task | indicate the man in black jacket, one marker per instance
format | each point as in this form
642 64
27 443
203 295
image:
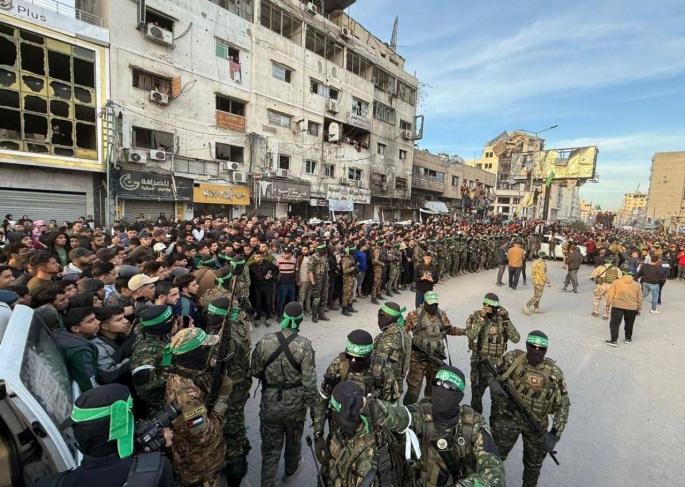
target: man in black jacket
426 275
502 261
572 261
262 274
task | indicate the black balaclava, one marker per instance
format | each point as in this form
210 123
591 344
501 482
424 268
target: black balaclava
448 391
431 309
238 265
536 338
158 320
197 359
491 300
386 318
93 436
216 311
347 401
358 350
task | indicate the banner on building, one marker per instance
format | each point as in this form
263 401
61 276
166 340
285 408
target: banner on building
161 187
348 193
340 205
219 194
281 190
575 163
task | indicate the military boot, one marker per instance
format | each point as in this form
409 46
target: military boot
389 293
323 317
315 317
345 311
411 397
397 291
374 301
351 309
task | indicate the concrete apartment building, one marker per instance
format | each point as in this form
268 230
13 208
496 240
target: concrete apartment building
273 107
634 209
666 187
587 212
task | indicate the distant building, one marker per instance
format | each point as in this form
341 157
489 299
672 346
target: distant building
667 187
587 211
634 209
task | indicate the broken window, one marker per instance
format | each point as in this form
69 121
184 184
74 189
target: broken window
152 139
148 82
10 124
358 64
59 66
85 136
383 112
242 9
62 132
227 152
34 103
277 20
32 58
8 52
31 37
404 125
360 107
159 20
7 78
383 80
59 108
84 72
86 114
283 162
325 47
401 184
35 127
9 99
281 72
230 105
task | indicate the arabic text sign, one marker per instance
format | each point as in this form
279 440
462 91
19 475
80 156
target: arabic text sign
348 193
160 187
280 190
221 195
340 205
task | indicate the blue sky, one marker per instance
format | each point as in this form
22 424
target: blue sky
610 73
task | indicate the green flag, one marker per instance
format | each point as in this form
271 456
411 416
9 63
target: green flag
597 207
548 183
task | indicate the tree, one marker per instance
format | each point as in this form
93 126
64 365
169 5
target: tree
578 225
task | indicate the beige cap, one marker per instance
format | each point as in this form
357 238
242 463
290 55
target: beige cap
136 282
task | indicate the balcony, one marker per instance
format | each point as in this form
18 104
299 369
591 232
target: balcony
71 12
428 183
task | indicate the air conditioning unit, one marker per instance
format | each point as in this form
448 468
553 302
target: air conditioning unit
239 176
139 157
332 105
345 33
158 155
159 97
302 125
230 166
159 34
344 181
283 173
312 8
358 184
384 187
407 135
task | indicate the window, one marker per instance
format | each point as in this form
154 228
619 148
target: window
225 51
358 64
489 154
196 167
313 128
148 82
281 72
279 119
403 154
383 112
329 170
455 180
310 167
159 20
404 125
283 162
236 7
488 166
320 89
229 105
360 107
383 80
354 174
406 93
401 184
479 166
428 174
152 139
381 148
280 22
227 152
316 42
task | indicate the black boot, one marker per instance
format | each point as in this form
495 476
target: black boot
390 294
315 317
397 291
374 301
324 318
351 309
345 311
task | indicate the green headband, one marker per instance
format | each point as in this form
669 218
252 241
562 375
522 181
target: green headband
380 241
290 321
121 423
490 302
431 295
225 257
208 261
160 319
335 404
393 312
188 346
354 349
449 376
215 310
322 246
537 340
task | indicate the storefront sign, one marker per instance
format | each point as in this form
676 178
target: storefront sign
219 194
349 193
359 121
161 187
281 190
340 205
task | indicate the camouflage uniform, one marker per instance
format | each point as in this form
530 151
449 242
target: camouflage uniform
378 266
349 270
318 266
539 271
543 391
286 394
393 345
603 275
147 371
488 336
454 253
428 331
395 267
198 447
442 258
463 254
473 445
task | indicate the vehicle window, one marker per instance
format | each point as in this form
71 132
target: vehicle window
44 373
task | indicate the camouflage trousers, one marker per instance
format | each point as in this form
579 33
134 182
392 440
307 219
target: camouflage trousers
601 291
393 277
538 289
479 382
454 268
349 283
320 293
419 368
276 430
506 428
377 277
442 263
235 436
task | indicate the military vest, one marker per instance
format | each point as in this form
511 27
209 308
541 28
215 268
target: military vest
394 355
608 276
536 386
428 334
369 380
492 341
434 469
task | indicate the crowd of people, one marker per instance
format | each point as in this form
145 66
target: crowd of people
140 310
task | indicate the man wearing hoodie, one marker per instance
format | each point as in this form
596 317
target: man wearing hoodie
625 299
81 356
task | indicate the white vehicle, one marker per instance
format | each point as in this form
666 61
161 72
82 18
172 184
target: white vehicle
544 247
36 396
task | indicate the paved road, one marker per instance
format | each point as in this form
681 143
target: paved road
627 419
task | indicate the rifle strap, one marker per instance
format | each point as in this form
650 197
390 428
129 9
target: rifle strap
518 361
284 342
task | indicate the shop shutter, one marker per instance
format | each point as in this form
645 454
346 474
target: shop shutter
43 205
149 208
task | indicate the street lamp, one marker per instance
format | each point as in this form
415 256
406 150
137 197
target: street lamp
532 171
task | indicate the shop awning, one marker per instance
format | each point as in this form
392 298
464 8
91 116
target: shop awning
436 207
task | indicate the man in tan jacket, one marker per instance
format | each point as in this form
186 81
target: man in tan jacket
515 257
625 299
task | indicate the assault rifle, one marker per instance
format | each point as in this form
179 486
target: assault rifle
432 357
516 401
223 356
381 468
